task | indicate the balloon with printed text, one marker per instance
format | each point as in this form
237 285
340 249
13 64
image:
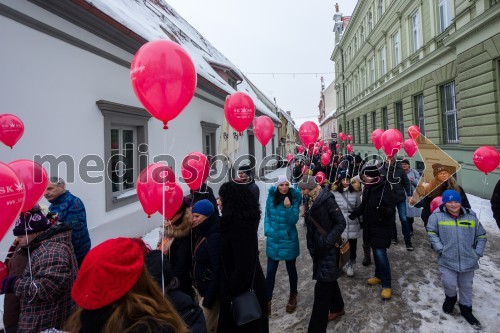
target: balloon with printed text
413 132
377 138
308 133
11 129
392 141
34 179
486 159
195 170
263 128
12 195
239 111
410 147
150 184
173 200
163 77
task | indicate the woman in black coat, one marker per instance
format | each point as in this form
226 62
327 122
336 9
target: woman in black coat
239 256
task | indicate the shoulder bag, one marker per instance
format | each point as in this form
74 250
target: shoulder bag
344 248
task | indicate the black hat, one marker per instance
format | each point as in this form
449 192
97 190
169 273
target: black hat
342 175
246 169
405 161
437 168
370 171
31 222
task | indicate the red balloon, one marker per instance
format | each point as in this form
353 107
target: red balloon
173 200
309 133
392 140
3 271
436 202
11 129
195 170
486 159
263 128
325 159
316 151
301 149
34 178
163 78
349 137
12 193
289 157
410 147
337 146
305 169
349 148
320 177
342 136
377 138
413 132
150 184
321 143
239 111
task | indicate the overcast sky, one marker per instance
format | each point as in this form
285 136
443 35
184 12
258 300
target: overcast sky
273 36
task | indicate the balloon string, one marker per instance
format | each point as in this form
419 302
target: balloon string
163 218
485 182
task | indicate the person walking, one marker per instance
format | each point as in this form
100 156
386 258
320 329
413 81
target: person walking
245 177
414 178
325 224
282 243
459 239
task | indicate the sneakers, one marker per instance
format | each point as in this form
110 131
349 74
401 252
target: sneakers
466 312
409 246
386 293
394 241
292 303
374 281
335 315
349 269
449 304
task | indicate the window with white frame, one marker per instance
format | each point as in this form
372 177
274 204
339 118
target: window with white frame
372 69
415 31
361 34
450 112
418 104
395 42
123 166
355 42
363 78
356 85
400 123
370 21
381 8
444 14
383 68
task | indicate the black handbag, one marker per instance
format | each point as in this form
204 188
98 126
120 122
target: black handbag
245 307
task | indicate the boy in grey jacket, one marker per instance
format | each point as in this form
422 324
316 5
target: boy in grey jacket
459 238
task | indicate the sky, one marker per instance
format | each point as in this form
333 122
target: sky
282 38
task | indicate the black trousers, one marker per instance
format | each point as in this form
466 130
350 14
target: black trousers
327 298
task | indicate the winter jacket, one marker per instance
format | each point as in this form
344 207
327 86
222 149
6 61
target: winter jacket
399 181
206 260
204 192
425 203
72 211
377 209
458 241
280 227
254 189
323 245
495 203
12 303
297 173
413 211
45 291
353 228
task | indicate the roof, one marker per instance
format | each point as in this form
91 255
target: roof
328 117
155 19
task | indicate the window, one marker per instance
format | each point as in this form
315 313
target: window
208 131
418 104
353 132
361 35
355 42
395 41
450 113
365 126
444 14
372 69
363 78
380 8
359 130
415 28
356 85
383 68
232 82
385 121
370 21
400 123
374 120
125 142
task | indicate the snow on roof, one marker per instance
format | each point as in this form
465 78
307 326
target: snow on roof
156 19
328 117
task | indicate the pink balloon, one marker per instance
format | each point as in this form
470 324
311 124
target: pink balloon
377 138
149 186
413 132
239 111
34 178
309 133
289 157
305 169
410 147
392 140
316 151
436 202
263 128
173 201
486 159
320 177
325 159
11 129
349 137
163 78
321 143
12 193
337 146
301 149
195 170
342 136
349 148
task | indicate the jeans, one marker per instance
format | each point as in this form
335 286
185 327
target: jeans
272 267
327 298
401 206
382 266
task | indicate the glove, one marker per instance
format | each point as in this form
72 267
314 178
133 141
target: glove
352 215
8 284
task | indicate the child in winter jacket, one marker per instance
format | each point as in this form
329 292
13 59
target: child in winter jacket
459 239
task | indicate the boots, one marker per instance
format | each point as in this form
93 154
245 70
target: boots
349 269
449 304
292 303
466 312
367 255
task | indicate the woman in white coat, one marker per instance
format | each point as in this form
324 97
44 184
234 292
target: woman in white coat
348 197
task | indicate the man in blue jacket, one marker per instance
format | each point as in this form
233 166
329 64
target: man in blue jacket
70 210
459 239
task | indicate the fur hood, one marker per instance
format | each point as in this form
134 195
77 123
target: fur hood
184 228
355 186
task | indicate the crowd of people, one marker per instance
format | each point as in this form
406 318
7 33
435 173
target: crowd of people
207 256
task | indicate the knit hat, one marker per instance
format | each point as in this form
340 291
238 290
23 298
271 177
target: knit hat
246 169
405 161
307 183
371 171
31 222
108 272
203 207
342 175
437 168
282 179
451 195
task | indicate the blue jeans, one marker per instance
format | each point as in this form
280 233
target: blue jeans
401 206
272 267
382 266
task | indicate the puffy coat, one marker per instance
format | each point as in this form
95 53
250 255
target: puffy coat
400 183
377 209
280 227
425 203
459 242
324 248
353 228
